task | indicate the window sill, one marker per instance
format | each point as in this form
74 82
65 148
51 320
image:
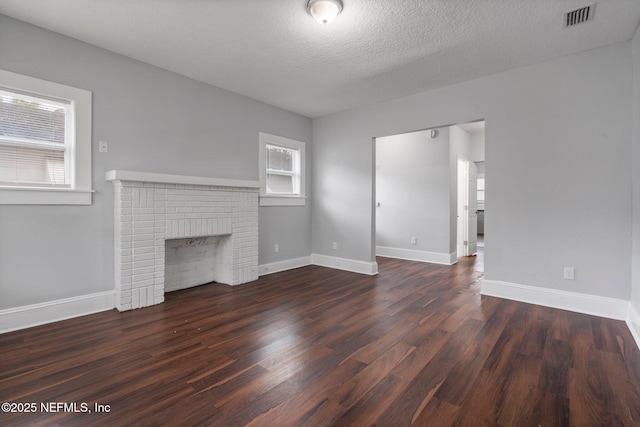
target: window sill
282 201
44 196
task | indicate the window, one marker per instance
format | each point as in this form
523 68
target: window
281 171
481 193
45 142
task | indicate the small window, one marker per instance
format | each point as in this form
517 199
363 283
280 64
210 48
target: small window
35 140
281 171
45 142
480 188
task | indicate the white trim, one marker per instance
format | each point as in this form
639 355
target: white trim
282 201
413 255
355 266
288 264
300 199
27 316
453 258
80 169
611 308
162 178
633 323
44 196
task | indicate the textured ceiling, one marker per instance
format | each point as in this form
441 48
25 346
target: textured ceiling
376 50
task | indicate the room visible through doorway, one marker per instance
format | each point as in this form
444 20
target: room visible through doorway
416 198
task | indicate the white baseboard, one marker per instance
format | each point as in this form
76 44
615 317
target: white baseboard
633 323
27 316
453 258
355 266
611 308
287 264
413 255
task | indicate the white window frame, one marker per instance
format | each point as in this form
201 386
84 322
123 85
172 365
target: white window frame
267 199
79 191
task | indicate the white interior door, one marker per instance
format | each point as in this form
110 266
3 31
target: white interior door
461 216
472 204
467 227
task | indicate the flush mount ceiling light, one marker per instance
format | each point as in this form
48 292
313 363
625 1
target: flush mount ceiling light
324 11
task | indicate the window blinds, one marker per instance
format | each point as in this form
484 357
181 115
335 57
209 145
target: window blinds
34 140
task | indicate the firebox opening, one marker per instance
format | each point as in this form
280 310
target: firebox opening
196 261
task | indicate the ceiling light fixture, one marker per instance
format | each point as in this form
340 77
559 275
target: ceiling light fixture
324 11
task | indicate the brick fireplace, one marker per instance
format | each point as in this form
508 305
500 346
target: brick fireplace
151 209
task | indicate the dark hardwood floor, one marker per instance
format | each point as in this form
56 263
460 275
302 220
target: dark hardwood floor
415 345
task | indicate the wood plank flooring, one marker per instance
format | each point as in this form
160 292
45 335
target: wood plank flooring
414 345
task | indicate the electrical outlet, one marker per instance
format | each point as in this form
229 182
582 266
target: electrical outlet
414 240
276 248
335 246
104 146
569 273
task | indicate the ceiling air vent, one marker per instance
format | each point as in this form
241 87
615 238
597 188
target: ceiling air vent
579 16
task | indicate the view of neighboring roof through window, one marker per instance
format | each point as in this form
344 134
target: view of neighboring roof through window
35 140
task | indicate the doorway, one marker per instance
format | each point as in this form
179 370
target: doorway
416 192
471 193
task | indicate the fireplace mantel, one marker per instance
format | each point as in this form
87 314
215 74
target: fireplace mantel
151 208
162 178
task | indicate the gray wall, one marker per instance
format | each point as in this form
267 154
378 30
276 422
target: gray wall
558 169
154 121
635 254
477 147
412 186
